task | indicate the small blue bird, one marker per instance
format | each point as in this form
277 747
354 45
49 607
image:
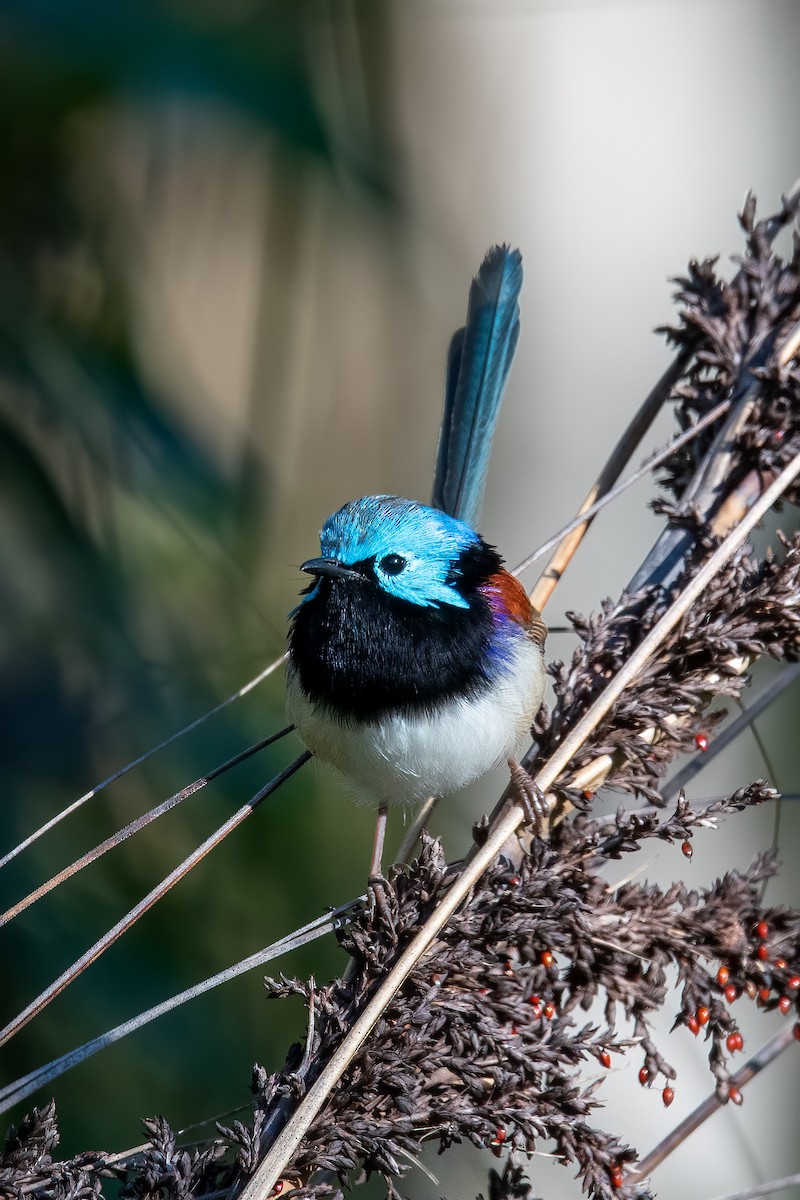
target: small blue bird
415 659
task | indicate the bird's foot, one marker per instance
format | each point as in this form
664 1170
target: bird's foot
381 901
531 799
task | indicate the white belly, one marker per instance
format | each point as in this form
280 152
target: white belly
401 758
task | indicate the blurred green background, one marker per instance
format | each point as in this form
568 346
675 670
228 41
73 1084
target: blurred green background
235 237
158 163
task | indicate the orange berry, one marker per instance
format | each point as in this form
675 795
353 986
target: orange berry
693 1024
686 849
723 975
702 1015
546 958
734 1095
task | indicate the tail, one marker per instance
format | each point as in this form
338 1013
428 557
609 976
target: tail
478 363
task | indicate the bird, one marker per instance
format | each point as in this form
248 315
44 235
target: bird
415 659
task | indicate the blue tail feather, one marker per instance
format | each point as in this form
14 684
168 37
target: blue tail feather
478 363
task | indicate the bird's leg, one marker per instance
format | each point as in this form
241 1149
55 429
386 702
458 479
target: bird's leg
376 862
377 887
531 798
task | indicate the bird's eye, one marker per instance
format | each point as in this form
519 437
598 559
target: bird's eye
392 564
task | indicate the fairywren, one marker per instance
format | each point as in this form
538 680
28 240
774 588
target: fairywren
415 658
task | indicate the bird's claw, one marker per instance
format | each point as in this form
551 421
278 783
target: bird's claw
378 897
531 799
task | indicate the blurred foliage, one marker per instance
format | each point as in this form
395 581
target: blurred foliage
132 548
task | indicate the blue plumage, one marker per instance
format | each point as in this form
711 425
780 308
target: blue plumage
415 659
422 543
478 363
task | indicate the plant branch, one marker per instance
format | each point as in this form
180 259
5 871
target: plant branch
774 1047
267 1175
137 762
131 917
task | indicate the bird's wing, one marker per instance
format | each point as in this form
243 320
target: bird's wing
478 363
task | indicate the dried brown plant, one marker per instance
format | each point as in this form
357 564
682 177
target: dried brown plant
484 1035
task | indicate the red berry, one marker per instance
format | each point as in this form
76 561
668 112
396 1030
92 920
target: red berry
546 958
734 1041
763 952
483 992
762 929
731 993
514 1031
515 881
668 1095
605 1058
723 975
588 795
701 741
549 1010
693 1024
734 1095
702 1015
784 1004
508 969
615 1175
796 1032
278 1188
793 982
780 964
500 1136
686 849
764 995
644 1076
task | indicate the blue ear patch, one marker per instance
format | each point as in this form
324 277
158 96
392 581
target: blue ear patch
430 543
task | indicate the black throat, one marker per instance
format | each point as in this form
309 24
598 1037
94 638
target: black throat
365 652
